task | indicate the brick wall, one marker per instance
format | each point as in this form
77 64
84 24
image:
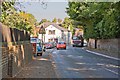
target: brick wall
91 43
109 45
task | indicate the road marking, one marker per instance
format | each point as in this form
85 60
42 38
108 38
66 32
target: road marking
81 63
100 64
70 56
82 48
103 55
54 52
111 71
113 66
82 69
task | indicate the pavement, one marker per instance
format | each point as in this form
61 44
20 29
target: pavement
114 55
40 67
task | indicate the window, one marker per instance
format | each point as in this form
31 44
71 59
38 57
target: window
51 32
76 38
50 40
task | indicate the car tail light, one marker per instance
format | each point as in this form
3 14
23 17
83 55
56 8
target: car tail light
33 49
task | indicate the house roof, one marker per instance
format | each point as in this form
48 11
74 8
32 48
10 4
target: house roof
46 24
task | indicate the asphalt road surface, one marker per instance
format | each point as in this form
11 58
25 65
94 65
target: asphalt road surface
75 62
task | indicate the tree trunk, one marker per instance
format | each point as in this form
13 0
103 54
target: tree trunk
95 43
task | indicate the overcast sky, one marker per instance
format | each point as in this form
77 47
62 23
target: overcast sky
53 9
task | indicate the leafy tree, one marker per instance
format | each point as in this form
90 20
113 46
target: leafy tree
59 20
29 20
54 20
43 20
7 9
67 23
16 19
99 20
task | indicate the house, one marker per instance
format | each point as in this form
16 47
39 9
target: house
54 32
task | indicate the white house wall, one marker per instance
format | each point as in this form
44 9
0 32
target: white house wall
57 33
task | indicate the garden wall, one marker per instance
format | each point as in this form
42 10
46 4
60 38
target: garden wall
112 46
16 50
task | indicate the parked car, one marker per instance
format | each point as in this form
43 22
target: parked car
61 45
49 45
38 48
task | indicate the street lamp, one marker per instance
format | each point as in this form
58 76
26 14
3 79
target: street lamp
42 31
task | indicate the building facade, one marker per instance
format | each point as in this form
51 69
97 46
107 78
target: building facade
55 33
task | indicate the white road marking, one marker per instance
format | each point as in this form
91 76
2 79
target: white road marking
70 56
54 52
82 69
79 56
102 55
113 66
100 64
111 71
81 63
83 48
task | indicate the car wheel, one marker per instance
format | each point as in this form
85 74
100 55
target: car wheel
37 54
40 54
73 45
57 48
65 48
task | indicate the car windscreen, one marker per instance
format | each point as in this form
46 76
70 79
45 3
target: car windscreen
38 44
76 38
61 42
33 40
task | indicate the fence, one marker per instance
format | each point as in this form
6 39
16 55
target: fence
14 58
16 50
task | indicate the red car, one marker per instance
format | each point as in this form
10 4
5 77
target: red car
49 45
61 45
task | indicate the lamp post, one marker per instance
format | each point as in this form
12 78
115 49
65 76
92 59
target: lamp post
42 31
68 33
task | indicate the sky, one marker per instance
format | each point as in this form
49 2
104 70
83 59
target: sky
53 10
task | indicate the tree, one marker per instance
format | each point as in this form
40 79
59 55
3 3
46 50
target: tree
54 20
67 23
29 20
59 21
99 20
16 19
43 20
7 9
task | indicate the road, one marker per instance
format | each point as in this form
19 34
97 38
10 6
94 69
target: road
75 62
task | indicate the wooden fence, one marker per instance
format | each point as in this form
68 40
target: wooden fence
16 50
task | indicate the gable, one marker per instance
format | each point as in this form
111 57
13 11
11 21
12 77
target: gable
51 27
